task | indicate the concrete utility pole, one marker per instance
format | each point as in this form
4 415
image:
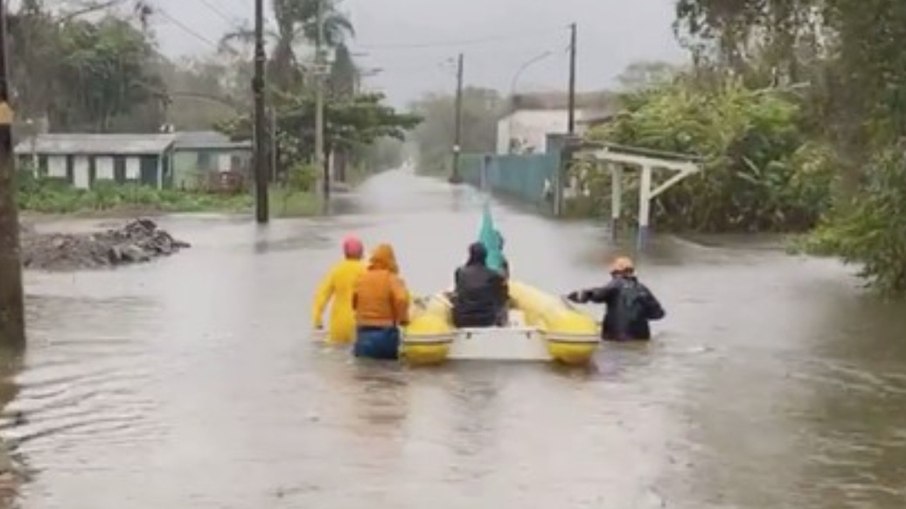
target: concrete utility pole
12 307
457 142
261 163
319 104
571 123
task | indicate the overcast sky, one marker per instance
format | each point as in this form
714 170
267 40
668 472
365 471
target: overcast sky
410 40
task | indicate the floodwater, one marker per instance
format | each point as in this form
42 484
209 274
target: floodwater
774 382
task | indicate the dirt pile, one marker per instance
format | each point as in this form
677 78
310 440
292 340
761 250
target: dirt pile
139 241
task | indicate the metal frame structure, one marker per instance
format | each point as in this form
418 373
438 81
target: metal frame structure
617 157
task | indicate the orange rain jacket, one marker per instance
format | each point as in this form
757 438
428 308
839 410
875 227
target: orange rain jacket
381 298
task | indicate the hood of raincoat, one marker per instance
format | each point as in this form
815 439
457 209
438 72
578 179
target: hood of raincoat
383 259
478 254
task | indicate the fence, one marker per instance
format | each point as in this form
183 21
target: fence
523 177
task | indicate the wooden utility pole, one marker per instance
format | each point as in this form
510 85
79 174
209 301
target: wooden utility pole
571 123
261 163
319 104
12 312
457 142
273 144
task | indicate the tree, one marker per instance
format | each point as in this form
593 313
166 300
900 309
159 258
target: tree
84 75
350 123
296 24
107 64
849 52
481 109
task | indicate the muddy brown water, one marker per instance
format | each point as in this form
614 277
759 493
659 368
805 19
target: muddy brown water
193 382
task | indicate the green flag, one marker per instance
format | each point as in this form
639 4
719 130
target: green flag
488 236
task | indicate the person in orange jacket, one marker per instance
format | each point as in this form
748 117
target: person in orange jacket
339 284
381 303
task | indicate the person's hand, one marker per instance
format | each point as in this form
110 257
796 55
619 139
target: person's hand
575 297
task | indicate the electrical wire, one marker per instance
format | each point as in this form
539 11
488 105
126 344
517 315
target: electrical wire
463 42
218 12
185 28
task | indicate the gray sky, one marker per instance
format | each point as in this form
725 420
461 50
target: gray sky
411 39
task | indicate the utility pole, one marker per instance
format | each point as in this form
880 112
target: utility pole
261 177
319 104
12 312
571 123
457 142
273 144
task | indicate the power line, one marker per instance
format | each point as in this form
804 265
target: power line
218 12
459 43
186 29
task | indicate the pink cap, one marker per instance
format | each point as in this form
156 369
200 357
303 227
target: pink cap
352 247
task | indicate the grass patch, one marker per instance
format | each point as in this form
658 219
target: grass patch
291 203
48 196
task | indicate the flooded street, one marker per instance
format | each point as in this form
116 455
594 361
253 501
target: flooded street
193 381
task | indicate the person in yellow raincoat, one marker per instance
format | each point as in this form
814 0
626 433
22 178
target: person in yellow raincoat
339 284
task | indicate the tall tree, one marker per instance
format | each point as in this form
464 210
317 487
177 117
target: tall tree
295 25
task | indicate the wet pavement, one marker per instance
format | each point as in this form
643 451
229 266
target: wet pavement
193 381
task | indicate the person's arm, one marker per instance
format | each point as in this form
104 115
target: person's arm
653 308
399 296
322 297
598 295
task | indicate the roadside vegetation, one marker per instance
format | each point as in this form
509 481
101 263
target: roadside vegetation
49 196
797 109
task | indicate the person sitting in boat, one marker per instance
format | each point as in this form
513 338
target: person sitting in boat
504 263
381 303
480 297
630 304
338 286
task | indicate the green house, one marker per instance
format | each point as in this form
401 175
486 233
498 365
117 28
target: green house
84 159
198 155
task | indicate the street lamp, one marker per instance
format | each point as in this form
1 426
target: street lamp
515 79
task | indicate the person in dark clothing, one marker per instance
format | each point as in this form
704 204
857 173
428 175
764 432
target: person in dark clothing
630 304
505 264
480 296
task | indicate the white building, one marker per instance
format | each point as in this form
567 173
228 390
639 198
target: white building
533 116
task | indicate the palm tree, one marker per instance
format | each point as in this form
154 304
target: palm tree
296 23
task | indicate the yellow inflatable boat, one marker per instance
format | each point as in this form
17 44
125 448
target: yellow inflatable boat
542 327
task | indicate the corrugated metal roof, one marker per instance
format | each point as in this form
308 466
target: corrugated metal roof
188 140
114 144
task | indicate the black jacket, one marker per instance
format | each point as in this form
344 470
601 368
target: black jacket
480 295
630 306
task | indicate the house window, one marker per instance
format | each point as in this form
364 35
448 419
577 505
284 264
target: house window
204 161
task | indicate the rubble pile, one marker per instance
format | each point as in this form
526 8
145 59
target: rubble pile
139 241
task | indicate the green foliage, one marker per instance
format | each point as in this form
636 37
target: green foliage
872 229
302 177
294 25
759 172
850 53
350 122
85 75
54 196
